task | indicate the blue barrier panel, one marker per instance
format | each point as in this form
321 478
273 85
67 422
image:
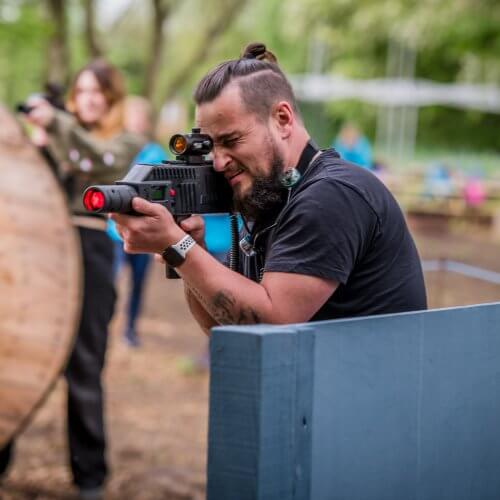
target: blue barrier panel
403 406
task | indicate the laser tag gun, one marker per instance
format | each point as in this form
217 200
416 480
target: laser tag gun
53 94
188 185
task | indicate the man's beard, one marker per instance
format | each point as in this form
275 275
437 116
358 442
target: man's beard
267 194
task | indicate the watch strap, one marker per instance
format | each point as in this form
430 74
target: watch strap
184 245
174 255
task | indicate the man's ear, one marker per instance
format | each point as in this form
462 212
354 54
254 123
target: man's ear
283 117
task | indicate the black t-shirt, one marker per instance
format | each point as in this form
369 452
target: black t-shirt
341 223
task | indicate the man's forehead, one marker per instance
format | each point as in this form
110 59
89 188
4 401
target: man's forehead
226 110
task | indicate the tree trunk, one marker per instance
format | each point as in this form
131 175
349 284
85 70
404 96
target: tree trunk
161 10
58 53
227 14
93 48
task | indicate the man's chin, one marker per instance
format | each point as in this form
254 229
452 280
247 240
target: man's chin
240 193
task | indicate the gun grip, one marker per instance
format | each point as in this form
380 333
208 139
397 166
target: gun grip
171 273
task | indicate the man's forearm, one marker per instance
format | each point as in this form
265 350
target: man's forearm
226 297
198 311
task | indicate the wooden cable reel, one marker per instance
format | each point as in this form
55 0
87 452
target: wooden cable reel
40 278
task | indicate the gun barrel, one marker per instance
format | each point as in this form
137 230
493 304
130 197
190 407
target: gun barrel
113 198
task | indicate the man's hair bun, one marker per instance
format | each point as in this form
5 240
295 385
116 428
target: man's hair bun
257 50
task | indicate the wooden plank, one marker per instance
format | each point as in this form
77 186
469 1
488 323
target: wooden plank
302 456
407 406
391 407
255 415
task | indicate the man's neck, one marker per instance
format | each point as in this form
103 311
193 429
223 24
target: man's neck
297 144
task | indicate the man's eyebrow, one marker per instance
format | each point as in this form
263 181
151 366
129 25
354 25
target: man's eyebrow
225 137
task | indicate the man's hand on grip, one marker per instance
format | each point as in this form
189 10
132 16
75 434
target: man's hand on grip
153 230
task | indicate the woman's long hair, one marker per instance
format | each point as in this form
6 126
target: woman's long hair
112 86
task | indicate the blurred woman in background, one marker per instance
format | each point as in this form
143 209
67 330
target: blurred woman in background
90 146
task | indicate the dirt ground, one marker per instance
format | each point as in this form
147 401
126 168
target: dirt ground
157 406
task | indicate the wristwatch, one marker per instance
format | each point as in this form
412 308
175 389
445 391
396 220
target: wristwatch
175 255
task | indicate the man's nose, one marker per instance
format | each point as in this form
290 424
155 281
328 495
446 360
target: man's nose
221 159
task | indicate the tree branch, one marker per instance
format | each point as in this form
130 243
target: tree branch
161 11
58 53
227 15
93 47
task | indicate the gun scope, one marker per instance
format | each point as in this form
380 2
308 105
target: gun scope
193 144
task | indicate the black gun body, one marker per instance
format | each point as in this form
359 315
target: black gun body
189 185
182 189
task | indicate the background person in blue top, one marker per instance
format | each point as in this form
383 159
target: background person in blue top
138 120
353 146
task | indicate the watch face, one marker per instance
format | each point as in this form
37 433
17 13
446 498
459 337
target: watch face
172 257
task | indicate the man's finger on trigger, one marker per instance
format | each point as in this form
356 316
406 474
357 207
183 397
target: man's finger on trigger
191 223
187 224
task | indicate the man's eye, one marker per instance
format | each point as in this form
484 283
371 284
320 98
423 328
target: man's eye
230 142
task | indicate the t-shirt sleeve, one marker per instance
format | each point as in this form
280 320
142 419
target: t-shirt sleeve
324 231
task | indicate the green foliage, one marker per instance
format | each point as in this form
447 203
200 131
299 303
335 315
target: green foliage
324 121
23 32
454 41
458 129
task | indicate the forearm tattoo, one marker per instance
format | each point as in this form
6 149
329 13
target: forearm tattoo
227 312
224 309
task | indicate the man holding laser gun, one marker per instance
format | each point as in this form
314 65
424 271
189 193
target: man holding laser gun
323 238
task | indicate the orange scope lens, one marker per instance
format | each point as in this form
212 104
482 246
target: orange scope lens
179 144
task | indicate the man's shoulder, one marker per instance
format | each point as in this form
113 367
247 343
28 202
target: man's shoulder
330 164
330 172
336 185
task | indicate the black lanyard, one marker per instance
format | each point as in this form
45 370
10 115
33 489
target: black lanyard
309 152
